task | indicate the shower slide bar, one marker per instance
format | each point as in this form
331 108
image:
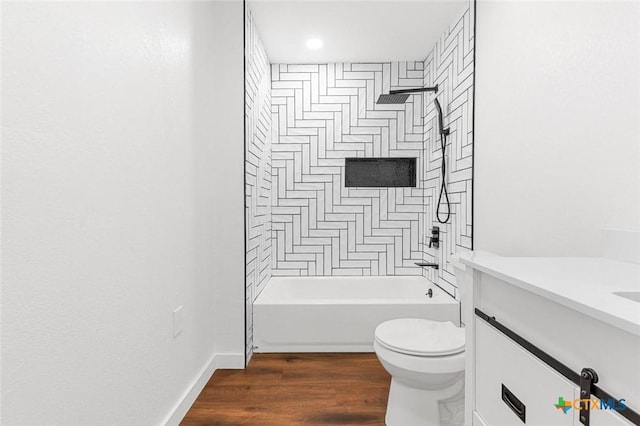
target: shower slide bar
586 379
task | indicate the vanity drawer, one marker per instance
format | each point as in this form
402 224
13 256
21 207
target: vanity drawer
515 388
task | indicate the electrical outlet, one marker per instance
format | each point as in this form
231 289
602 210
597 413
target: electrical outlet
177 321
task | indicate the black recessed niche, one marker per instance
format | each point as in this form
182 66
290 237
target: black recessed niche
380 172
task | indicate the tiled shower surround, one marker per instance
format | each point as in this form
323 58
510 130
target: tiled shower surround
257 170
450 66
322 114
304 120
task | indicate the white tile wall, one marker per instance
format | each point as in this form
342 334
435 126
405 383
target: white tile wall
320 115
258 169
323 113
450 66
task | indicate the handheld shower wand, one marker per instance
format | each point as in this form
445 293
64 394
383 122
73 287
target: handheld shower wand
443 144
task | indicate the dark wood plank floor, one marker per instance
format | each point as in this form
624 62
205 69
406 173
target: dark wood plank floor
296 389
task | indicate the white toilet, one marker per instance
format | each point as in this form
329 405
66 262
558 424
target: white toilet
426 361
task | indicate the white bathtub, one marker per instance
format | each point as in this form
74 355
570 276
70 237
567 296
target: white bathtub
340 314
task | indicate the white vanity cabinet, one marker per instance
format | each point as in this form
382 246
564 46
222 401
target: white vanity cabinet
506 385
515 388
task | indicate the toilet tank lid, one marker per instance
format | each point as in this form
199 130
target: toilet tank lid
416 336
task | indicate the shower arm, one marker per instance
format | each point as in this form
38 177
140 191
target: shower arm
418 90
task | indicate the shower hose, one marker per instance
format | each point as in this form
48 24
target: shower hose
443 187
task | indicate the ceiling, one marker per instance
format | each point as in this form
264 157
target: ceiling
352 31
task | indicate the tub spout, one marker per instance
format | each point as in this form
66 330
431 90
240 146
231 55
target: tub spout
428 265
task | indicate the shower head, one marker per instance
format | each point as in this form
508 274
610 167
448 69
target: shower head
397 97
393 99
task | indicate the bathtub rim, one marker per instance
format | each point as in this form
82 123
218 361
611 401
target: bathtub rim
441 296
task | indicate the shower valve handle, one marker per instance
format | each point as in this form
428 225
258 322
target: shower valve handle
435 237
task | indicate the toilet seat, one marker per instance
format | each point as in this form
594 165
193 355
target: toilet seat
421 337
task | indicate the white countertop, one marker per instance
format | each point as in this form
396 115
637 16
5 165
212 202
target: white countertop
585 284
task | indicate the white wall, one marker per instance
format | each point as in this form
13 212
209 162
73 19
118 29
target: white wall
557 142
118 131
224 160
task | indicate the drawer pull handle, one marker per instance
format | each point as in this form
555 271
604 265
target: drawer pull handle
514 403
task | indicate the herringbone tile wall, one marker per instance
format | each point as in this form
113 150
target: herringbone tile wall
322 114
450 66
258 169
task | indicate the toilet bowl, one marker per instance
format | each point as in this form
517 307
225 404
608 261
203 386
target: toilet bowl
426 362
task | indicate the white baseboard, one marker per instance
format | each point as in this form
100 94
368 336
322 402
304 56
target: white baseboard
231 361
227 361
